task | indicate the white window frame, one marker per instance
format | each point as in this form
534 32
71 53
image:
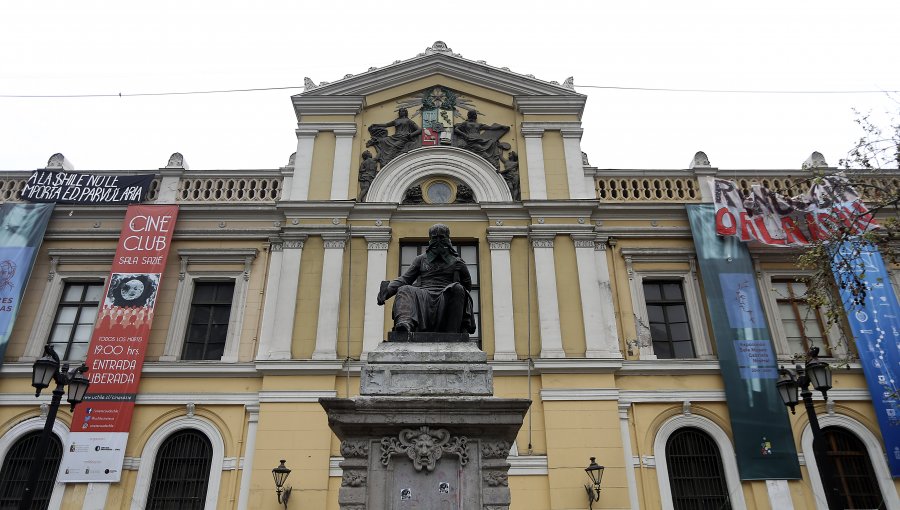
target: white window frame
689 284
56 282
184 294
151 450
873 448
60 430
773 316
726 452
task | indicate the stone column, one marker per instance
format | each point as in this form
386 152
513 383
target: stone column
574 168
596 327
276 339
630 479
330 296
501 281
273 279
607 300
306 139
340 174
376 272
249 451
534 155
548 303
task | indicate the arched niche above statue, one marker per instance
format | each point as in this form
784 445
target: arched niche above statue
454 165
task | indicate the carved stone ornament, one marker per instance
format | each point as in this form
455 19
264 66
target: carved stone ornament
359 449
378 245
569 83
413 196
293 245
496 478
495 449
308 84
334 245
542 243
176 160
59 161
583 243
424 447
353 479
440 47
499 245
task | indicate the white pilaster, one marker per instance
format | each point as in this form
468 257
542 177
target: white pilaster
574 168
249 451
501 281
641 321
534 156
597 345
548 303
330 296
630 479
340 174
376 272
607 309
281 326
273 281
306 139
172 349
236 321
779 494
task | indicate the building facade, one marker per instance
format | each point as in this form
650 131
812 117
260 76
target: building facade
586 290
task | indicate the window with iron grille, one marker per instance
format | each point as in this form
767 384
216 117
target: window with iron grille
696 475
207 327
667 315
181 472
14 473
74 322
803 324
469 253
852 469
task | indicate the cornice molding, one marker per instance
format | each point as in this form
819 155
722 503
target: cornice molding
295 396
451 66
339 128
550 105
556 394
327 105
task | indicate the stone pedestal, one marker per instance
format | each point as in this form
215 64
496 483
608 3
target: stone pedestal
425 434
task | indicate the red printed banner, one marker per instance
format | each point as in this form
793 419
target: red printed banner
96 447
830 205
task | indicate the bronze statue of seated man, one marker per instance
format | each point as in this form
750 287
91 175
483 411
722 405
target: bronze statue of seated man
440 301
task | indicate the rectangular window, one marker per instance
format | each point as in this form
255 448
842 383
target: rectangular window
207 327
667 319
74 322
803 324
469 253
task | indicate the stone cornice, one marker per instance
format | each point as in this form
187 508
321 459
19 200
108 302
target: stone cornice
327 105
451 66
562 208
82 256
551 105
339 128
218 255
316 208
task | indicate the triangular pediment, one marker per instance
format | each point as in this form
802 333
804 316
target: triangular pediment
443 62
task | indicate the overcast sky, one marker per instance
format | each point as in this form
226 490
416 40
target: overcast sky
91 47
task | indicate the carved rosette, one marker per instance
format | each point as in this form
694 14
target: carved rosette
496 479
424 447
495 449
358 449
353 479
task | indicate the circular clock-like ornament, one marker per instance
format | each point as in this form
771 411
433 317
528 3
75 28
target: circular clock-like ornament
439 191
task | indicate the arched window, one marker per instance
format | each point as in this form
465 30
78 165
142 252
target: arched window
696 475
16 464
852 469
181 472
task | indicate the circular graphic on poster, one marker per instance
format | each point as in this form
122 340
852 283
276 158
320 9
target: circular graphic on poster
130 290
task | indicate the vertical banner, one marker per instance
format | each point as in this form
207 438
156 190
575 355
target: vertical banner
764 444
22 229
95 450
875 326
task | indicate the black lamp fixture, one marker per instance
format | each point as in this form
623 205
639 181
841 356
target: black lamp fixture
792 386
595 472
280 474
46 370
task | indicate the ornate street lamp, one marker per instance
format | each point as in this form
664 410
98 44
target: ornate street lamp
280 474
45 370
595 472
818 374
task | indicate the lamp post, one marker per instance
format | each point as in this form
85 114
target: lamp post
818 374
595 472
47 370
280 474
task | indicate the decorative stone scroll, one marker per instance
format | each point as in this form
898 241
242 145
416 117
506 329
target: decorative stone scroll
358 449
424 447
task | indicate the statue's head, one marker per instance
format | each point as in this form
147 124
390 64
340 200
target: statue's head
402 112
513 156
366 155
439 231
472 115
